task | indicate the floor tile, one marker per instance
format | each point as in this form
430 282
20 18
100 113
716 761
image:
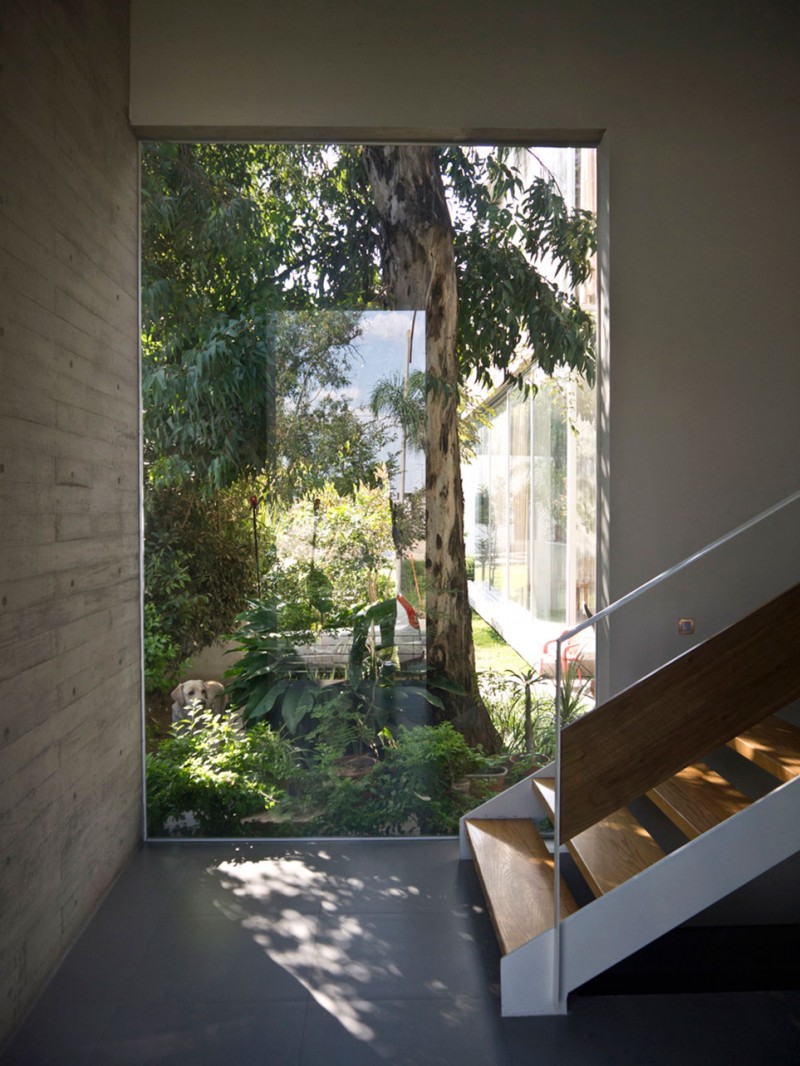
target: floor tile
388 956
224 960
351 952
202 1034
355 875
730 1029
433 1032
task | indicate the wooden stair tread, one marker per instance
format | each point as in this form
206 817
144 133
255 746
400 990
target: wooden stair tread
697 799
516 873
610 852
774 745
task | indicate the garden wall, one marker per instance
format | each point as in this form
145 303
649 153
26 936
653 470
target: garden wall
70 747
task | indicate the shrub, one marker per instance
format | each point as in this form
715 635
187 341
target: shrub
348 538
411 790
161 654
199 564
502 703
269 682
504 695
212 770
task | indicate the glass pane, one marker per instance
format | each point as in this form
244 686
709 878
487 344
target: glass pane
477 478
586 501
519 535
550 504
284 466
498 502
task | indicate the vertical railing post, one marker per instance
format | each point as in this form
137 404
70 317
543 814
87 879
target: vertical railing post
556 841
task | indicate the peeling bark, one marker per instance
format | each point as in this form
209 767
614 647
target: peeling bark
419 273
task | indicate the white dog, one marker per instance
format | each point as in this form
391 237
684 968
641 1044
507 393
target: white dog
210 695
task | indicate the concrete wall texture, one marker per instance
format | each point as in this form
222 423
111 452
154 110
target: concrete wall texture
70 732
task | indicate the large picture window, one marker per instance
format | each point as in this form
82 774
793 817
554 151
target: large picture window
324 331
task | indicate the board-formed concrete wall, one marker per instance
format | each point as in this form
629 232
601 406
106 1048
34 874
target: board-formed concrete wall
70 733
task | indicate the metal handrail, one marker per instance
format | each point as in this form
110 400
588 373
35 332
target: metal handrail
568 635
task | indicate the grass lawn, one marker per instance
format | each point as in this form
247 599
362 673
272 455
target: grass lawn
491 651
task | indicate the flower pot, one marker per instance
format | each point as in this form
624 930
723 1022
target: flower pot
353 766
493 780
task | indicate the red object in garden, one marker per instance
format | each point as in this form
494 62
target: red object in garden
412 614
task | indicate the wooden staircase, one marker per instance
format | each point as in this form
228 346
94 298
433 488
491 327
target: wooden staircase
516 868
638 887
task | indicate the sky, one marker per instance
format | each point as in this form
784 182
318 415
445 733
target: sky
380 352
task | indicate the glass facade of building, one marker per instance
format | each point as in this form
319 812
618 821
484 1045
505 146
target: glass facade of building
530 504
530 492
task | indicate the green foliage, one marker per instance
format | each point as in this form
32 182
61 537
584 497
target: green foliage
216 772
199 564
162 655
505 697
503 228
348 538
317 438
503 706
267 664
233 234
340 715
208 292
410 790
403 403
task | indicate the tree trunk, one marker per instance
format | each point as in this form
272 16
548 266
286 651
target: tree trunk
419 273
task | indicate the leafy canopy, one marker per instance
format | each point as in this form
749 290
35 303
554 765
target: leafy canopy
234 233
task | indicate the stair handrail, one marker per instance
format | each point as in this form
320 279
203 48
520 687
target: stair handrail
569 634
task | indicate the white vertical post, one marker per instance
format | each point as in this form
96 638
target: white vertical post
557 997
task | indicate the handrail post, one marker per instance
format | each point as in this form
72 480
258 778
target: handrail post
557 840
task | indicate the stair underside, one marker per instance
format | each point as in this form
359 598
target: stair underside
517 876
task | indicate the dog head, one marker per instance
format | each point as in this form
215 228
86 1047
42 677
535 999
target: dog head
208 694
190 692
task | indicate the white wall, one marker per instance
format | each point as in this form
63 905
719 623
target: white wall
696 104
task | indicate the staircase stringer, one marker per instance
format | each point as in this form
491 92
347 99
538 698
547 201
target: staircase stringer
680 712
681 885
526 979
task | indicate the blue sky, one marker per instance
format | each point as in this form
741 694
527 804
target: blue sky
381 352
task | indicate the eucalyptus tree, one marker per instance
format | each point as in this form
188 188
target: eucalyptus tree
460 236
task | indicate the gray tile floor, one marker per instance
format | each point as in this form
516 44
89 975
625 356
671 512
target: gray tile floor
344 953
